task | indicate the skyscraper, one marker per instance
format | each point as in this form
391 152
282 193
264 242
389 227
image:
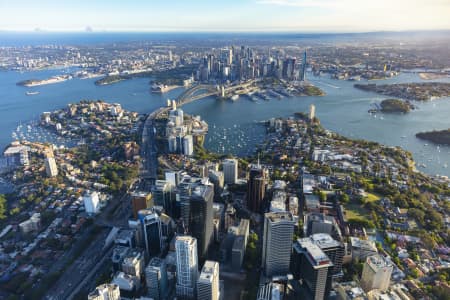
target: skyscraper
277 243
312 112
151 225
163 195
201 216
335 251
256 188
91 202
376 273
208 282
313 266
50 167
156 278
188 145
321 223
133 263
105 292
139 201
303 70
187 266
230 170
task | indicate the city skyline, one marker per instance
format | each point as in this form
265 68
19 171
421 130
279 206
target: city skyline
231 16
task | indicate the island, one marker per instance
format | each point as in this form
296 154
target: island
420 91
111 79
395 106
441 137
37 82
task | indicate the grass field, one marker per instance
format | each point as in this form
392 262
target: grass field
372 197
358 211
355 211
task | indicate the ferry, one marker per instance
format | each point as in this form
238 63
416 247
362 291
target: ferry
234 97
28 93
159 88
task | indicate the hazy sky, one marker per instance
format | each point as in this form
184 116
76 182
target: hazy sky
225 15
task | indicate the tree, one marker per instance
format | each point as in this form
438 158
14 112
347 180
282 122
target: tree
345 198
322 196
3 206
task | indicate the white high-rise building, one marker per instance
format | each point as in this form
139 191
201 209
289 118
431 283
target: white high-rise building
376 273
230 170
91 202
187 266
188 145
208 282
50 167
277 243
105 292
312 112
156 278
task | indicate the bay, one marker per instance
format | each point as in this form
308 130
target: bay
235 127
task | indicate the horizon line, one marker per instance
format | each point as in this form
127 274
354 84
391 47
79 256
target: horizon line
276 31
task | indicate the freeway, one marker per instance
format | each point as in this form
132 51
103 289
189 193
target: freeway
80 269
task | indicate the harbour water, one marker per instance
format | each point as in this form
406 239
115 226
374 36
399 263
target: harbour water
236 126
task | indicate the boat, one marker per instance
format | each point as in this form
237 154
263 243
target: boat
234 97
28 93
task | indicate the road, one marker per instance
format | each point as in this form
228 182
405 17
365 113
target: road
80 269
91 260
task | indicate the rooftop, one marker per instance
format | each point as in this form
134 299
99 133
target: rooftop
279 216
186 239
208 270
155 262
315 255
324 240
378 262
363 244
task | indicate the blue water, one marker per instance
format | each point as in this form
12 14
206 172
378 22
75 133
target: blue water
234 126
18 39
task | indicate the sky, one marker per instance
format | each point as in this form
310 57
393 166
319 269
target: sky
225 15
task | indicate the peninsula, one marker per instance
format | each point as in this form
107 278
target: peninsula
37 82
420 91
441 137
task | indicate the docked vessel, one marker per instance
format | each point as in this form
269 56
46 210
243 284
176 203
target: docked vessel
234 97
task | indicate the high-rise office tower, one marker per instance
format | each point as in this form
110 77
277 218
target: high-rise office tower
105 292
230 170
208 282
163 195
156 278
303 70
201 216
376 273
91 202
50 166
335 250
188 145
133 263
139 201
187 266
256 188
313 266
151 225
312 112
277 243
321 223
